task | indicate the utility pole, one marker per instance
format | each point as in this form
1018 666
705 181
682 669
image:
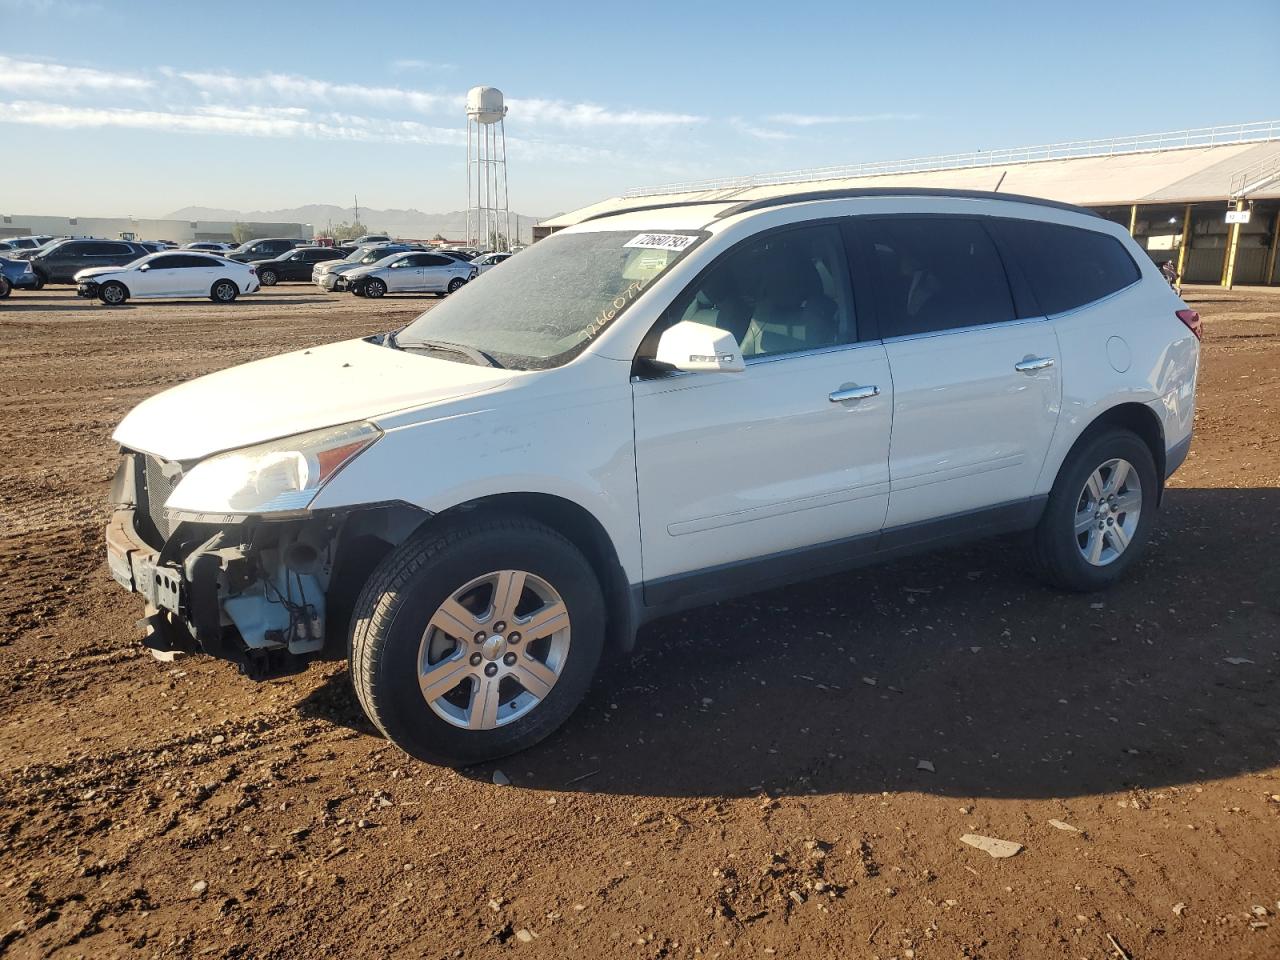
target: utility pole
356 198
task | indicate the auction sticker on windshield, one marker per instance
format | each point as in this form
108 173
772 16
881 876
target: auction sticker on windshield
662 241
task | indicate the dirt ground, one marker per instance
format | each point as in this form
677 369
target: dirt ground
748 785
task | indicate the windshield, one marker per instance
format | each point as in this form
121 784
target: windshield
544 306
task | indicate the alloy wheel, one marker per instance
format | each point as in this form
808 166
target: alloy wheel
494 650
1107 512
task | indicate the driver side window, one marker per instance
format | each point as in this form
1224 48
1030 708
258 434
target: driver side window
785 292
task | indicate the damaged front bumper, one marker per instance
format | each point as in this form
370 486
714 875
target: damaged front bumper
250 593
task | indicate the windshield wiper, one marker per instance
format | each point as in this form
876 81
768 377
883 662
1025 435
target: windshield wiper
479 357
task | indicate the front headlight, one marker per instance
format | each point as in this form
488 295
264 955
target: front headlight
276 477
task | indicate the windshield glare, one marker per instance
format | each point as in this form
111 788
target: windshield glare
544 306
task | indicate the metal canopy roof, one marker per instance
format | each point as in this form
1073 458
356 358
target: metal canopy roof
1158 168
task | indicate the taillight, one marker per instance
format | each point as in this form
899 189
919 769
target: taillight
1192 319
254 271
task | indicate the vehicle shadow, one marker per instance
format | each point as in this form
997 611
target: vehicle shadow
1006 687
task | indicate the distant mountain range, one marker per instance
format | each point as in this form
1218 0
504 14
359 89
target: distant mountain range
399 223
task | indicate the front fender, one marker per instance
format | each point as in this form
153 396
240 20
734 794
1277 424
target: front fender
576 445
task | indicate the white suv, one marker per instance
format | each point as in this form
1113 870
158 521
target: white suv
651 410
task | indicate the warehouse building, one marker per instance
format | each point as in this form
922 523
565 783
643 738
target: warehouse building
1208 199
176 231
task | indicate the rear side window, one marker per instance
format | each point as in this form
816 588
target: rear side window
935 273
1068 267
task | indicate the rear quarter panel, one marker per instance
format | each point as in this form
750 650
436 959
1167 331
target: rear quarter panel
1126 348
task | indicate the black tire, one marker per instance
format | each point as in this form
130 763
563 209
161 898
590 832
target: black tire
456 284
374 288
1056 549
113 293
6 288
409 585
224 291
268 278
41 280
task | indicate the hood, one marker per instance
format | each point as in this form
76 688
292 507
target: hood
89 272
293 393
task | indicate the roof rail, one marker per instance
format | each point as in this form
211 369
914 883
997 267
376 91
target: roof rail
847 193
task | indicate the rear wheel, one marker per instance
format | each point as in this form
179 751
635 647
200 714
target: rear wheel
268 278
1100 512
456 284
5 287
113 293
373 287
224 291
477 642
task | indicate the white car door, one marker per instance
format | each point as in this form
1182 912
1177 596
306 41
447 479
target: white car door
153 278
751 475
977 387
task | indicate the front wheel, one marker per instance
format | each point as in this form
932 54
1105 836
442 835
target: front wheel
224 291
5 287
1100 513
456 284
113 293
268 278
373 287
476 642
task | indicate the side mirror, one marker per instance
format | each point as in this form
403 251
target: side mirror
696 347
145 266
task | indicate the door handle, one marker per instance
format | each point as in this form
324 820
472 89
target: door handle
854 393
1033 364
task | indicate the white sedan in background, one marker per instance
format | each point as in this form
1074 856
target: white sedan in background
169 274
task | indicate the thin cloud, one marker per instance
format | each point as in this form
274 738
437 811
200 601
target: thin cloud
38 76
292 87
822 119
229 120
583 115
760 133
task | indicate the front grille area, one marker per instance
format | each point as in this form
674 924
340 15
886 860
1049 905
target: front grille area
159 479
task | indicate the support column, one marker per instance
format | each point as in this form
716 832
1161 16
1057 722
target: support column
1271 255
1133 219
1186 237
1233 241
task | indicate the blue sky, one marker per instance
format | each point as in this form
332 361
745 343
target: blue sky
140 108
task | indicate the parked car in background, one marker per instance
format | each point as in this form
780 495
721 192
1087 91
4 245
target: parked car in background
487 261
18 275
27 243
169 274
266 249
325 275
59 262
412 272
209 246
464 253
372 238
295 264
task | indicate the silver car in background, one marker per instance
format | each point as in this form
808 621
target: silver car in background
412 272
325 274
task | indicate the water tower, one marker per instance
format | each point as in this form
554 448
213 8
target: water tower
488 213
